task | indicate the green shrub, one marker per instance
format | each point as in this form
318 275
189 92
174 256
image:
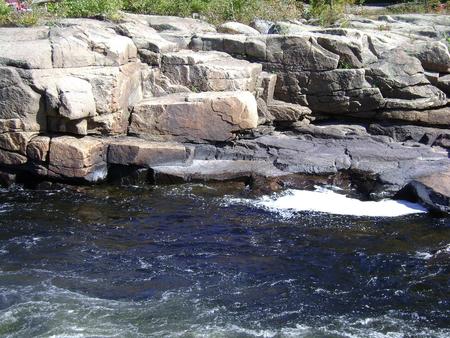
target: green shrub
328 11
5 12
9 17
87 8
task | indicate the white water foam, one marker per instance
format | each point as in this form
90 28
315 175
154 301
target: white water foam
328 201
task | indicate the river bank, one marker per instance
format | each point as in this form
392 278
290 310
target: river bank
84 101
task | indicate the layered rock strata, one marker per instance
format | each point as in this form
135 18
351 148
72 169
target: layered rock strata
85 98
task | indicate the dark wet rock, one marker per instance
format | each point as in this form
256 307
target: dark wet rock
7 179
128 175
385 166
433 191
402 133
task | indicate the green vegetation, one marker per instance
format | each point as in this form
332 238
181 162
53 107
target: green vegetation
328 12
218 11
86 8
5 12
9 17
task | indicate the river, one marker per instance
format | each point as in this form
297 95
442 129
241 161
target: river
199 260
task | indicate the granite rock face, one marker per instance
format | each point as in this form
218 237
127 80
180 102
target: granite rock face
181 100
196 117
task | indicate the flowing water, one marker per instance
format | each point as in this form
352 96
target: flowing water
187 261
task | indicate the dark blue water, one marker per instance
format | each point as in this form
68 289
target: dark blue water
182 262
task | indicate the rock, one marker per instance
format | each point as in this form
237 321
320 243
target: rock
177 24
304 53
443 83
109 124
7 179
433 191
66 126
210 71
236 28
9 158
403 133
19 101
262 26
76 98
406 26
83 45
339 91
287 112
27 48
145 37
266 86
11 125
16 141
264 116
38 148
77 158
134 151
431 117
215 170
433 55
210 116
332 130
402 82
79 93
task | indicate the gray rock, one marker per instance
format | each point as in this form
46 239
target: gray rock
431 117
19 101
236 28
403 133
210 71
262 26
433 55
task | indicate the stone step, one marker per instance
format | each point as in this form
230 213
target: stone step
210 71
138 152
194 117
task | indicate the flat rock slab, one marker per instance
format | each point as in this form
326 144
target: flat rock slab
211 116
384 166
216 170
138 152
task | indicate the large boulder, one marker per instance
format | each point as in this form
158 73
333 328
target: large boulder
210 116
77 158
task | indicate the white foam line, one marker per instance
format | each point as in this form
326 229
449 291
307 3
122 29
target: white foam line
328 201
